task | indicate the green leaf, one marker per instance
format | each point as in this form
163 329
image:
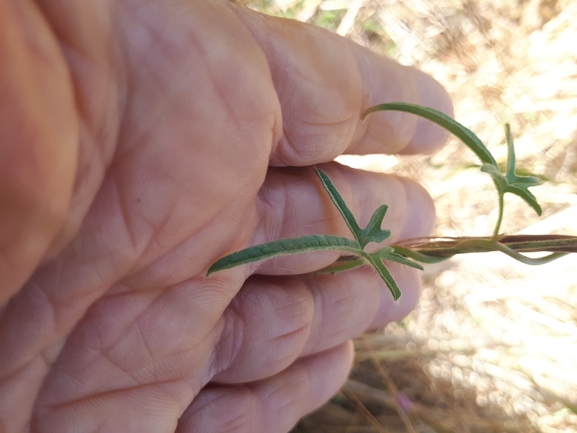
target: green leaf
303 244
510 182
385 274
464 134
340 204
505 183
519 185
373 231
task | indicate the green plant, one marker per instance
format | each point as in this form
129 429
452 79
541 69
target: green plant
421 250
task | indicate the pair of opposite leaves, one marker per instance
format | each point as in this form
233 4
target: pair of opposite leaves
507 182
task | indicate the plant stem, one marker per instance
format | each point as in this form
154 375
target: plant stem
437 249
500 217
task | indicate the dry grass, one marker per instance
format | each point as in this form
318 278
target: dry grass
493 345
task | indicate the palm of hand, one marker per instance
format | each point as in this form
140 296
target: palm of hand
121 330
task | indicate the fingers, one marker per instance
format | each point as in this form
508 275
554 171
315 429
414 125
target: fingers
393 132
293 203
428 137
325 82
280 319
273 405
37 150
274 320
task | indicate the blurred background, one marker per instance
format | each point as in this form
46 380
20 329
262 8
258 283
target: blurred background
493 344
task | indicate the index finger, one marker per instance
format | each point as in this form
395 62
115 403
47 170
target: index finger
325 82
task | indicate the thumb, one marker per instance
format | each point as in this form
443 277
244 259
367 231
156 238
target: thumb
38 129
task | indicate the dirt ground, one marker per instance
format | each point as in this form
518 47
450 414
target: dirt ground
493 344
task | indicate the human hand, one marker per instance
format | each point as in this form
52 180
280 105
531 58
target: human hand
145 140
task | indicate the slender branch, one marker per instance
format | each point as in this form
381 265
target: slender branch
500 218
447 247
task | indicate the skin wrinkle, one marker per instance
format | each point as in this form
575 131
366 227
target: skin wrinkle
145 72
106 353
299 190
242 418
317 318
94 312
208 372
269 202
319 340
238 423
147 279
27 357
136 380
159 49
91 121
97 129
301 153
103 350
151 372
125 220
99 396
290 335
289 400
340 304
216 71
157 228
155 240
294 150
293 335
27 377
228 349
13 375
139 275
149 351
101 281
135 325
292 318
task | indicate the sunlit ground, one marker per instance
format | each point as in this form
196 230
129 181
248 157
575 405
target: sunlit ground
493 345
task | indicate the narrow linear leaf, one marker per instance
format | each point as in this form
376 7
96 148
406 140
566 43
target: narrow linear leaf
303 244
510 182
463 133
337 199
527 196
511 159
519 185
384 273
